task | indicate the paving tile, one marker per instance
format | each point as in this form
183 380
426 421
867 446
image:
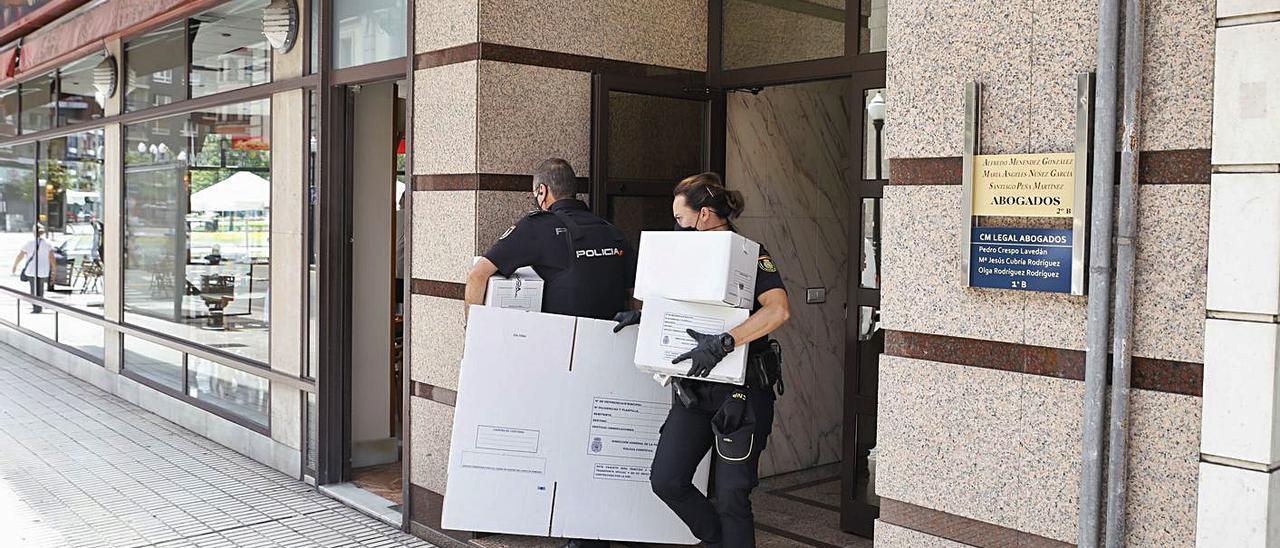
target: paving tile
94 470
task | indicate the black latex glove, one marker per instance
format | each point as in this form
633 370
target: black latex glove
709 351
625 318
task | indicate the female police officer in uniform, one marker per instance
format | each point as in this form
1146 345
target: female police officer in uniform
733 420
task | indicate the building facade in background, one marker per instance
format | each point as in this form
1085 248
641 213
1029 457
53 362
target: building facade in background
265 241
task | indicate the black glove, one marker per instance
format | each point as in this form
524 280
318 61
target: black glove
625 318
709 351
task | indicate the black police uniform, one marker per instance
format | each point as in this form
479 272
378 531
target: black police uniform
586 263
687 436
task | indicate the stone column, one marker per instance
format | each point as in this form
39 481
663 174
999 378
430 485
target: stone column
1240 446
499 88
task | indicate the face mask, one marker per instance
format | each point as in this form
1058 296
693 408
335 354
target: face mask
537 202
676 227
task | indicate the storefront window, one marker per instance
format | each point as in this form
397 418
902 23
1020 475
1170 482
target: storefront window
70 177
197 201
17 208
228 50
9 112
37 103
158 363
313 240
874 21
241 393
38 320
85 336
759 33
368 31
154 65
78 100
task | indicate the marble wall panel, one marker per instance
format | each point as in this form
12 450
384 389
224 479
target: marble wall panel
441 24
444 234
496 211
760 33
432 424
1026 54
437 337
668 33
787 152
921 287
1004 448
527 114
444 119
925 114
888 535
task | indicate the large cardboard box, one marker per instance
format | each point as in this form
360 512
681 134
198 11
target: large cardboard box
711 267
522 291
554 433
663 336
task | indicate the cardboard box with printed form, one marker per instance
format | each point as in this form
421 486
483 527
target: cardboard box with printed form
551 414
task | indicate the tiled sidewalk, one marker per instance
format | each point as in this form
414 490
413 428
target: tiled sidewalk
80 467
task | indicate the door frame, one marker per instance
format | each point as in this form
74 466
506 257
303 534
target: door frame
602 84
855 515
863 71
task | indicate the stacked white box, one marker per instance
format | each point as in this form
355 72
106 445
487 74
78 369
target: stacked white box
710 267
521 291
704 281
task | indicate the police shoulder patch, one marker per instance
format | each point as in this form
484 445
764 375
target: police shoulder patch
766 264
507 233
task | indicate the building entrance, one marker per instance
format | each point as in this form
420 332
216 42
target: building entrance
805 157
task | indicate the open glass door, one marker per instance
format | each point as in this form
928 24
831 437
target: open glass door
647 135
864 340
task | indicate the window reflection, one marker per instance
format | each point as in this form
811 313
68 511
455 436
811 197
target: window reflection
9 112
158 363
78 100
197 200
870 244
37 103
71 193
154 66
39 320
368 31
313 240
760 33
874 20
84 336
8 308
17 208
228 50
241 393
875 166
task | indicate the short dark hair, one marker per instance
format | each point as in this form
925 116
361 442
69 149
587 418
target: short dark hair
558 175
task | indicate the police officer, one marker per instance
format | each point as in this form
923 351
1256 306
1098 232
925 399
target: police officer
587 265
731 421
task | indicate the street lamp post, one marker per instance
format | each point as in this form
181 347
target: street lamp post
875 111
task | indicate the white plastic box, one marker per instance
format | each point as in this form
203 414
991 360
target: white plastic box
709 267
663 337
552 415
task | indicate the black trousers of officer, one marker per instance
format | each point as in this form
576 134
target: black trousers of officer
686 437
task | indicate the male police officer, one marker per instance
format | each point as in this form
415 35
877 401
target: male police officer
587 265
